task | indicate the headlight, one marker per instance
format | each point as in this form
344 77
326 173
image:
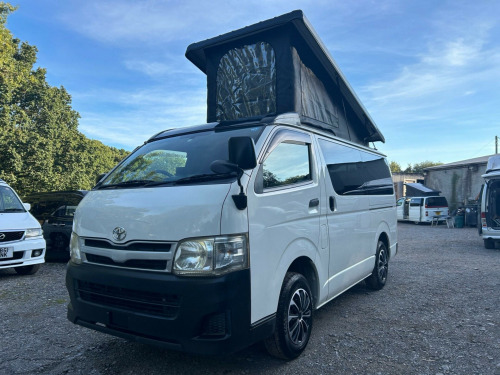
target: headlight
74 248
211 256
33 232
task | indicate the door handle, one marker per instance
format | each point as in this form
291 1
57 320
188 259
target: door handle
331 202
314 203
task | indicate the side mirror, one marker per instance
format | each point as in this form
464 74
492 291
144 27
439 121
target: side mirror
27 206
99 177
242 152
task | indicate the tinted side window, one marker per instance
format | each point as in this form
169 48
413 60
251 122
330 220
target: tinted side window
355 172
416 202
287 164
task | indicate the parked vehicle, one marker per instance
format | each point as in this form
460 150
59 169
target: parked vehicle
55 211
210 238
22 246
422 209
490 204
169 249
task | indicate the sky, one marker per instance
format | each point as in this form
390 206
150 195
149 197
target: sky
427 71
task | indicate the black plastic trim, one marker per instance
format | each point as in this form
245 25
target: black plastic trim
200 299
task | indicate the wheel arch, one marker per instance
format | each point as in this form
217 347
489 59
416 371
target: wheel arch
305 266
385 239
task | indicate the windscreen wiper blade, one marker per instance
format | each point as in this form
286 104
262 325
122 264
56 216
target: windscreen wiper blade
204 177
126 184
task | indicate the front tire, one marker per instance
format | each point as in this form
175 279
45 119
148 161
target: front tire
293 318
27 270
489 244
378 278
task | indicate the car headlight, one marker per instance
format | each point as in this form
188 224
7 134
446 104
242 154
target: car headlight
211 256
74 248
33 232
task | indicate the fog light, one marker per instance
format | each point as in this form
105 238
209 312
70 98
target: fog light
36 253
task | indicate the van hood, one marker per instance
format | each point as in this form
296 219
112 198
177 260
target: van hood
17 221
166 213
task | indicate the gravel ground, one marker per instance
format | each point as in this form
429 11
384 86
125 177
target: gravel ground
438 314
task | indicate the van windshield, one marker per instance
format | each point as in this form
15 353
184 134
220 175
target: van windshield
9 202
182 159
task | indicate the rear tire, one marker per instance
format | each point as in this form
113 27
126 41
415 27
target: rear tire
293 318
27 270
378 278
489 243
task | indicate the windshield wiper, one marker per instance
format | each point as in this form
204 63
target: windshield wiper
127 184
203 177
13 210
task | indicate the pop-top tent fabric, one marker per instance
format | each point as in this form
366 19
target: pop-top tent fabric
415 189
278 66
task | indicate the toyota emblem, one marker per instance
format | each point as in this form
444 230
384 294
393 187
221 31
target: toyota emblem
119 233
2 236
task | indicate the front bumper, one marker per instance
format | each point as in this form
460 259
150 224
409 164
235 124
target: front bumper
209 315
23 253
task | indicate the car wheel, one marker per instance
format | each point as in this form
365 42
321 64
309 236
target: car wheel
27 270
489 244
378 278
293 318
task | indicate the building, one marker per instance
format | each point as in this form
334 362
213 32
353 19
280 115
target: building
460 182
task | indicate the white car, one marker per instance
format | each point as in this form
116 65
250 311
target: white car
490 204
22 246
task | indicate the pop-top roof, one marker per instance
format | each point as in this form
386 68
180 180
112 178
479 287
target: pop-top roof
289 31
493 164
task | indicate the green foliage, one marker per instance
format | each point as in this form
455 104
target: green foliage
41 147
419 167
395 167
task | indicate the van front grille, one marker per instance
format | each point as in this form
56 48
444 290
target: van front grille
146 264
11 236
133 246
161 304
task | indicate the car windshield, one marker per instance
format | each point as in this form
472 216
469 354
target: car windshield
182 159
9 202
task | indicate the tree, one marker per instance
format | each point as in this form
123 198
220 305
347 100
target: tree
395 167
419 167
41 147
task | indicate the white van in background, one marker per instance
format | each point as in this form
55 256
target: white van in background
422 209
22 246
490 204
208 239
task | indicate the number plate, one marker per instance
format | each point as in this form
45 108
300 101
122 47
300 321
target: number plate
6 252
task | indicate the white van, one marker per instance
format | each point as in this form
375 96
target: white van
22 246
422 209
208 239
490 204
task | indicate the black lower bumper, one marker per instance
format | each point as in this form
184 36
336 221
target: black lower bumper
192 314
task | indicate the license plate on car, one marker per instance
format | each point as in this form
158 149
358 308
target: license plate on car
6 252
